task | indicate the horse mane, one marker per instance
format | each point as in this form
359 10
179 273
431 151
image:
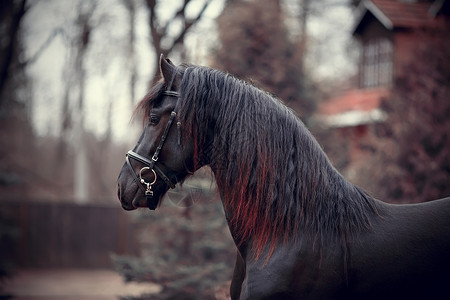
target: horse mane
154 96
274 177
150 99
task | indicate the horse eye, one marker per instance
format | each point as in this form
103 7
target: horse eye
154 120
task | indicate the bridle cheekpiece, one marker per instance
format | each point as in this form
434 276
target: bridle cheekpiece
150 164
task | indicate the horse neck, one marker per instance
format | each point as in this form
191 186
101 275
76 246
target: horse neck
328 208
274 178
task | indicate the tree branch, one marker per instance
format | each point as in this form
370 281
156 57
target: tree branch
8 56
188 24
158 31
44 46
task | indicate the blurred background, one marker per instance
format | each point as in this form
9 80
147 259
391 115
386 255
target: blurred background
370 79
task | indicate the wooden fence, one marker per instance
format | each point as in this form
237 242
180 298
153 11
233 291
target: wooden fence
64 235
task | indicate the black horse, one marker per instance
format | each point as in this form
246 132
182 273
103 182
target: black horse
302 231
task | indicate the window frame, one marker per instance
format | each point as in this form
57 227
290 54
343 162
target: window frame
377 63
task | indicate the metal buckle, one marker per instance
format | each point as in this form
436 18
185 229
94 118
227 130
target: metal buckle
148 191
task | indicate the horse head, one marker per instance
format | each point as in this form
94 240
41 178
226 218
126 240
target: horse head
161 158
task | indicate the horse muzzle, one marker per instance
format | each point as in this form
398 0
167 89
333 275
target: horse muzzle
131 196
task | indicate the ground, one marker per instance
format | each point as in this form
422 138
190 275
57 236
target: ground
72 284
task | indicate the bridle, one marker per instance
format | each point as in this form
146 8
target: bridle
150 164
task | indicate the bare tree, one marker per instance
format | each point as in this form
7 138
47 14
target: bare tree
73 115
161 41
11 15
130 5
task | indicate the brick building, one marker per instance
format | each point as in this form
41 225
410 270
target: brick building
388 32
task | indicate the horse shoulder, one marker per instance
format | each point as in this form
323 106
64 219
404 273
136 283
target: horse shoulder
295 271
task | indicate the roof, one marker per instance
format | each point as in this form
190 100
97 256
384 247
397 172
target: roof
352 108
399 14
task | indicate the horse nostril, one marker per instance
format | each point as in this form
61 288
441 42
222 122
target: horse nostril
119 191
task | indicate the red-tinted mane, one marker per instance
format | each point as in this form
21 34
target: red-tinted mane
273 175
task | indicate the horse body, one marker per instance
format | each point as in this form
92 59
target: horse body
302 231
405 255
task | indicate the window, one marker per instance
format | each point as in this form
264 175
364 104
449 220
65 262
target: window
377 63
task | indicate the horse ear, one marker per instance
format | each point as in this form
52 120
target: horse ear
170 62
166 67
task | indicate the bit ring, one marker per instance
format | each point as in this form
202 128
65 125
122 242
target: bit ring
143 180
